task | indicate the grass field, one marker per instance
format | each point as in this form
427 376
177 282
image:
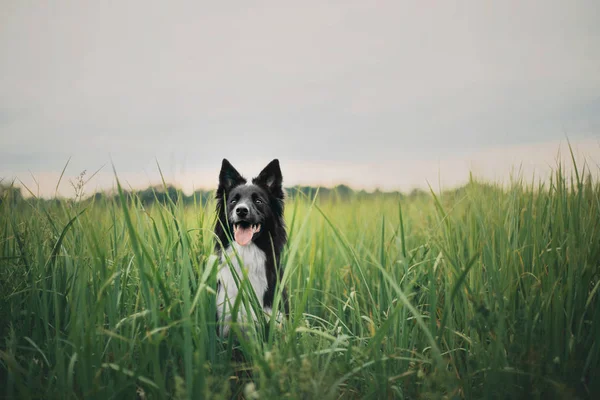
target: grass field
483 292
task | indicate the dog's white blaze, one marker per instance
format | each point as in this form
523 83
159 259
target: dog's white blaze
254 261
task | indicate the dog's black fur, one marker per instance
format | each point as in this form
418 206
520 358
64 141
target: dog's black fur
268 212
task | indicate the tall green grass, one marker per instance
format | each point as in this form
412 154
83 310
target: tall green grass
484 292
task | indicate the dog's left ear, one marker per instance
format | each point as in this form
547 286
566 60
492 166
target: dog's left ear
271 178
229 177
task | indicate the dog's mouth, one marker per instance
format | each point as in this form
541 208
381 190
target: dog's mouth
243 232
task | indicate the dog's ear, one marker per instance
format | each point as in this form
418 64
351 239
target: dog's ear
271 178
229 177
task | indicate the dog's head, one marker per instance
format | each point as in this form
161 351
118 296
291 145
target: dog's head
249 210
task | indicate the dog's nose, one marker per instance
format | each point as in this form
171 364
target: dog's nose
241 211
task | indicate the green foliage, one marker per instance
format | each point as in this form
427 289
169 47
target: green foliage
482 292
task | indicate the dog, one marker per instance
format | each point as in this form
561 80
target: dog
250 228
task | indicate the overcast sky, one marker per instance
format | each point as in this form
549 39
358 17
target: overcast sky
388 94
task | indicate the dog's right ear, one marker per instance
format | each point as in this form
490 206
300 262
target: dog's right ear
229 177
270 177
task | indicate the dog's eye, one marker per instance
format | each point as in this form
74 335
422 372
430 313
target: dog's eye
258 201
233 201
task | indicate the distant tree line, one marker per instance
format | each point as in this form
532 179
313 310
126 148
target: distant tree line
10 193
161 194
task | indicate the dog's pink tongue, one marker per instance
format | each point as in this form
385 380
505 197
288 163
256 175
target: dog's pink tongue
243 236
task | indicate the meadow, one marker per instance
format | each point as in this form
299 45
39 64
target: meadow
487 291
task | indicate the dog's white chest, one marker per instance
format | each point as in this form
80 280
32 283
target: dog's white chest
254 261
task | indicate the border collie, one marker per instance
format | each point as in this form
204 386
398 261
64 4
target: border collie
250 223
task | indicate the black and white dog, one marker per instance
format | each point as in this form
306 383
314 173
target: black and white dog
250 223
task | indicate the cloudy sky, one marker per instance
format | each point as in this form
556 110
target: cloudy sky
389 94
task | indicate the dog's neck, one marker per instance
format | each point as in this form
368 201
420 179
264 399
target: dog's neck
253 259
